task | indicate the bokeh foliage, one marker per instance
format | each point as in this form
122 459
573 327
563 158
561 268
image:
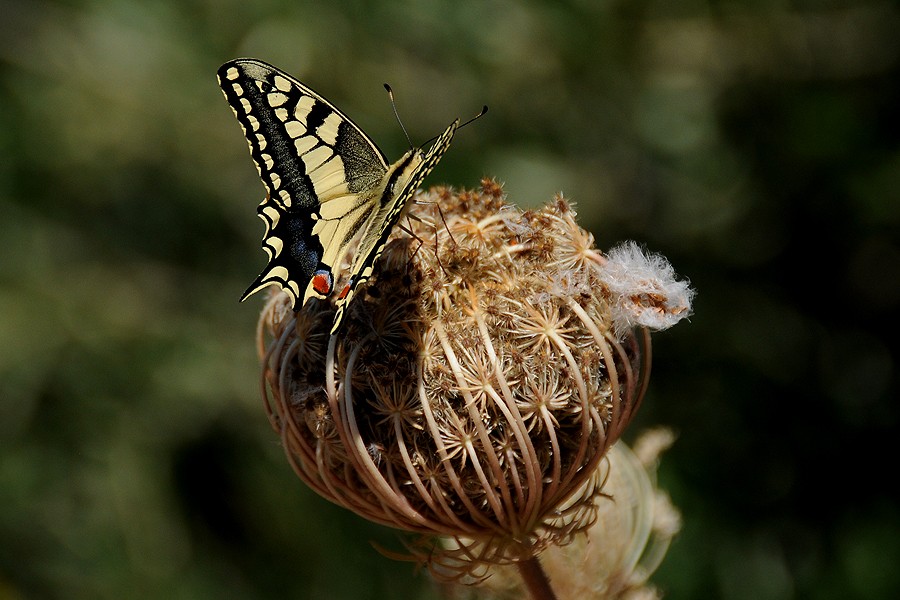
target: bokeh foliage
753 143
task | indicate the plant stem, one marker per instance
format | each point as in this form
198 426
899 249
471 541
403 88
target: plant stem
535 579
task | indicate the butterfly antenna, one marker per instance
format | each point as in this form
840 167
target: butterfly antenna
475 118
396 114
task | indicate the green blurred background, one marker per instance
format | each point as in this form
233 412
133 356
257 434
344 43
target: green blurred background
753 143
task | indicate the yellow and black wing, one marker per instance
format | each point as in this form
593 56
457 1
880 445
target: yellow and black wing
319 169
326 182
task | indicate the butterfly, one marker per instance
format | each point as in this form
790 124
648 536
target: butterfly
326 182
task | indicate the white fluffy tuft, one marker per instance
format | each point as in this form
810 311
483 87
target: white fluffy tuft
644 289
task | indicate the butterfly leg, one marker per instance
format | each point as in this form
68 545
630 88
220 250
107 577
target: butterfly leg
443 220
437 248
411 233
437 254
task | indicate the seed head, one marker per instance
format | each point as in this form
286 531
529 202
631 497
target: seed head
473 390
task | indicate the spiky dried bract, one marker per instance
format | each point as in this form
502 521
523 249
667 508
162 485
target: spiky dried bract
474 388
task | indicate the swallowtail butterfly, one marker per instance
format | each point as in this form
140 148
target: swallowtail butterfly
326 182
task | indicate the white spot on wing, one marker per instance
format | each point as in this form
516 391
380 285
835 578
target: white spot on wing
305 144
276 99
316 157
304 105
282 84
331 184
277 244
325 230
329 178
328 130
272 214
339 207
333 165
295 289
295 128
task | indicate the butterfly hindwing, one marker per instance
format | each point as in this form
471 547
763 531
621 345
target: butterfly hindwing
327 183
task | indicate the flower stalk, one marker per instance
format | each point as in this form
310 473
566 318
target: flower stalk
535 579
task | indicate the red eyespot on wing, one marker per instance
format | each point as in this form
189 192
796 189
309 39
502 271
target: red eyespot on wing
322 283
344 292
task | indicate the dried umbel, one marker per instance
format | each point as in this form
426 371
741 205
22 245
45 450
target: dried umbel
616 555
476 384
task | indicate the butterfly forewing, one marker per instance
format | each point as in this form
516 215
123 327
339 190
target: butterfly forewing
326 182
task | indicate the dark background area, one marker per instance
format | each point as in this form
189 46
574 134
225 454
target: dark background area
753 143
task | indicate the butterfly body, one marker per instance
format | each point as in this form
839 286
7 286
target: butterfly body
327 183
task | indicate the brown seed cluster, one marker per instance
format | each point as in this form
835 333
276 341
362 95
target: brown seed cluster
474 388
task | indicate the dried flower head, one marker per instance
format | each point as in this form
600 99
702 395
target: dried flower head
614 559
475 386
